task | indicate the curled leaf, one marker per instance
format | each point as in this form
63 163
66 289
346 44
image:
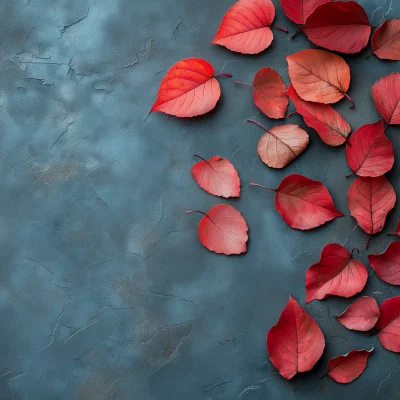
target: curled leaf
388 324
386 40
299 10
387 264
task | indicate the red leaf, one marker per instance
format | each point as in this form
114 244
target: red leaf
329 124
245 28
299 10
336 273
223 230
347 368
361 315
387 264
397 230
386 94
339 26
319 76
217 176
369 152
389 324
303 203
296 342
369 201
188 89
280 145
269 93
386 40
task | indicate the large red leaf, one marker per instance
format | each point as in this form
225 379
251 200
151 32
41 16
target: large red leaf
319 76
245 28
386 40
336 273
217 176
339 26
269 93
369 152
280 145
329 124
347 368
296 342
223 230
397 230
389 324
369 201
303 203
361 315
386 94
299 10
387 264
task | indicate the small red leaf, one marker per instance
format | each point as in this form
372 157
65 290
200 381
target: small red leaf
386 40
245 28
336 273
369 201
386 94
329 124
387 264
369 152
397 230
299 10
296 342
361 315
188 89
339 26
303 203
280 145
223 230
217 176
389 324
319 76
347 368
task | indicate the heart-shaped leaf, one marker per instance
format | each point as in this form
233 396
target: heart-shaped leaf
299 10
389 324
386 40
387 264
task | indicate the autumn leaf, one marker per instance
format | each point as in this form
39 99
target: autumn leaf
361 315
369 152
386 40
387 264
217 176
389 324
188 89
339 26
296 342
369 201
269 93
303 202
319 76
223 230
246 27
280 145
347 368
329 124
299 10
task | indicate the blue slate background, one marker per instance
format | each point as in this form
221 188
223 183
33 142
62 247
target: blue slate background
105 291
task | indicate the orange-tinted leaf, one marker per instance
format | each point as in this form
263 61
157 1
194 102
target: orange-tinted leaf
296 342
386 40
339 26
386 94
388 324
299 10
387 264
329 124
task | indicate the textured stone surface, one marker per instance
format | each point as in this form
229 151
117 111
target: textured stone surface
105 291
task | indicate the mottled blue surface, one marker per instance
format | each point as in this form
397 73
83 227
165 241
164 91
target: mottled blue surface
105 291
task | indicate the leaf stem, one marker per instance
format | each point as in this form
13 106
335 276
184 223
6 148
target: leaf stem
292 113
297 31
196 211
368 241
262 186
351 101
242 83
201 158
257 123
223 74
355 248
392 234
349 176
369 55
280 28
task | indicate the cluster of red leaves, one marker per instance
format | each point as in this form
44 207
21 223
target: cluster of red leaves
318 79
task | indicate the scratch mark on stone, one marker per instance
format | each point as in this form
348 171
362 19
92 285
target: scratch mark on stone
66 27
63 133
80 330
171 295
176 30
16 377
246 390
51 341
380 386
212 386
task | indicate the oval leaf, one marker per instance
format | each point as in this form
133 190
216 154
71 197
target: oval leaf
339 26
217 176
296 342
336 273
188 89
389 324
361 315
369 152
319 76
347 368
386 94
299 10
387 264
386 40
223 230
329 124
245 28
